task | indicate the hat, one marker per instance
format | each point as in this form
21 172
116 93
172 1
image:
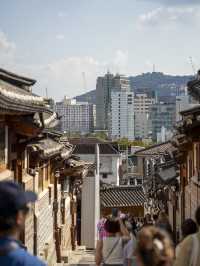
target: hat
13 198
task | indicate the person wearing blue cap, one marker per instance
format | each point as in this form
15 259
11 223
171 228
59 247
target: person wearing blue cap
13 210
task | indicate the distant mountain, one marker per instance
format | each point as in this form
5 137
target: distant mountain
87 97
163 85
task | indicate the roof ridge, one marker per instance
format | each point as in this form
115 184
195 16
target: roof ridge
153 146
12 76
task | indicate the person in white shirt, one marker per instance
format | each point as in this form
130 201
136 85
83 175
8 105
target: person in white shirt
109 251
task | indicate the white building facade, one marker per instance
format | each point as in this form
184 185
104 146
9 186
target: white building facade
76 116
142 105
122 114
109 158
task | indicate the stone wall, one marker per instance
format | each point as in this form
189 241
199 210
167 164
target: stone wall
44 219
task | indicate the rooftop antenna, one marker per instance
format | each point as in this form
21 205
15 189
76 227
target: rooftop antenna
192 64
84 81
46 90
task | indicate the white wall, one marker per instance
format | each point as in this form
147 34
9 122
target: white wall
90 211
109 163
122 115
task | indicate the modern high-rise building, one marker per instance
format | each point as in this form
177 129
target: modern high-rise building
121 123
103 94
163 116
76 116
142 107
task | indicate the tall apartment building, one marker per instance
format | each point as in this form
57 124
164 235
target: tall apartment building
163 116
122 109
75 116
142 107
103 94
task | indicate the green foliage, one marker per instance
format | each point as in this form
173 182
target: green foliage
125 143
100 135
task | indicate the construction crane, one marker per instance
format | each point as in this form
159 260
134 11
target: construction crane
84 82
192 64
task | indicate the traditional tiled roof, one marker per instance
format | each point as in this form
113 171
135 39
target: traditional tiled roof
16 96
50 120
194 87
167 172
193 110
104 148
48 147
158 149
122 196
15 79
77 168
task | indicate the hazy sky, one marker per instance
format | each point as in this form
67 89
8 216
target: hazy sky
55 41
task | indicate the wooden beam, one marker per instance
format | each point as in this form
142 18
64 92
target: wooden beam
24 128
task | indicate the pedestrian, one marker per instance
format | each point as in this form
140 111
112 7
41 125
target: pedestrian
13 210
154 248
101 228
109 251
188 227
189 253
129 247
155 218
163 223
147 220
133 224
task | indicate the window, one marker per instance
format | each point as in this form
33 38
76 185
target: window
139 181
104 175
132 181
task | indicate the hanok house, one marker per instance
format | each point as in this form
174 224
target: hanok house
187 144
126 198
33 155
160 179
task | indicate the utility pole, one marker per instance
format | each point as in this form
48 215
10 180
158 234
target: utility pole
84 82
46 91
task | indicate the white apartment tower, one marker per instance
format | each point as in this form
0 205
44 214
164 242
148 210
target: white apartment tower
75 116
122 109
142 105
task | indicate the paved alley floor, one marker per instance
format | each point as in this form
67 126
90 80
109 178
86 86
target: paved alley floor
81 256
